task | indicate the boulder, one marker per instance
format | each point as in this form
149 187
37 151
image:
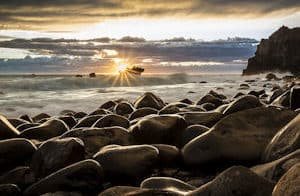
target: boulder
285 141
242 103
69 120
127 162
275 169
20 176
26 117
236 180
15 152
25 126
88 121
149 100
84 176
208 106
276 93
192 132
99 112
169 109
282 100
210 99
53 155
40 116
123 108
108 105
295 98
96 138
168 155
202 118
50 128
10 190
216 94
288 185
271 76
16 121
257 93
79 115
167 184
111 120
7 130
241 136
164 129
141 112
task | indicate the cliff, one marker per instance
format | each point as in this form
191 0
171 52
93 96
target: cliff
280 52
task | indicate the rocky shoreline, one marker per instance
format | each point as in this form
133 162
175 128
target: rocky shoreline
246 144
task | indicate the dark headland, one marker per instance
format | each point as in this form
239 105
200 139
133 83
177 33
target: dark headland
280 53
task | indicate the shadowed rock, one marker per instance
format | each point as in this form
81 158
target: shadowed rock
202 118
192 132
242 103
7 130
16 121
141 112
21 176
10 190
295 97
123 108
210 99
88 121
111 120
149 100
168 155
27 126
40 116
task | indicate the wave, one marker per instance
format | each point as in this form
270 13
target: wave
53 83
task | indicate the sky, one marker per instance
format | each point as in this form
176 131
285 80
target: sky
151 19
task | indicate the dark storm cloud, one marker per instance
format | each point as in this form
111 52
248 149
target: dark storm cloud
50 13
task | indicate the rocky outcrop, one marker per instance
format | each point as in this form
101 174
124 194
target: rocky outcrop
278 53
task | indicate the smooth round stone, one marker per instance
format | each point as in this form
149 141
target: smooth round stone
84 176
216 94
288 185
7 130
295 97
15 152
167 184
111 120
40 117
16 121
168 155
276 93
69 120
50 128
20 176
202 118
25 126
26 117
275 169
149 100
257 93
236 180
99 112
164 129
192 132
88 121
67 113
79 115
53 155
96 138
127 162
283 100
9 190
141 112
210 99
123 108
241 136
208 106
187 101
237 95
285 141
169 109
242 103
108 105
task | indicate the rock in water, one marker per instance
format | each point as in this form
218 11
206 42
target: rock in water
14 152
50 128
84 176
164 129
127 162
278 53
96 138
149 100
241 136
7 130
236 180
295 97
53 155
288 185
123 108
285 141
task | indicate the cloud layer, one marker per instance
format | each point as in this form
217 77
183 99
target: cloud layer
51 14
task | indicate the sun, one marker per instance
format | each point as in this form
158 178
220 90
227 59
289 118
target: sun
121 67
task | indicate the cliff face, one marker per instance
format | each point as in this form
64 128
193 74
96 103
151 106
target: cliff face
281 52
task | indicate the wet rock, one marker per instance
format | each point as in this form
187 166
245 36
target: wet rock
96 138
141 112
239 94
285 141
111 120
84 176
92 75
15 152
241 136
88 121
79 115
127 162
244 86
242 103
149 100
257 93
168 155
236 180
187 101
67 113
108 105
283 100
169 109
7 130
276 93
16 122
130 191
123 108
47 130
295 97
288 185
55 154
40 116
192 132
25 126
275 169
26 117
208 106
99 112
202 118
218 95
164 129
210 99
167 184
9 190
271 76
69 120
20 176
